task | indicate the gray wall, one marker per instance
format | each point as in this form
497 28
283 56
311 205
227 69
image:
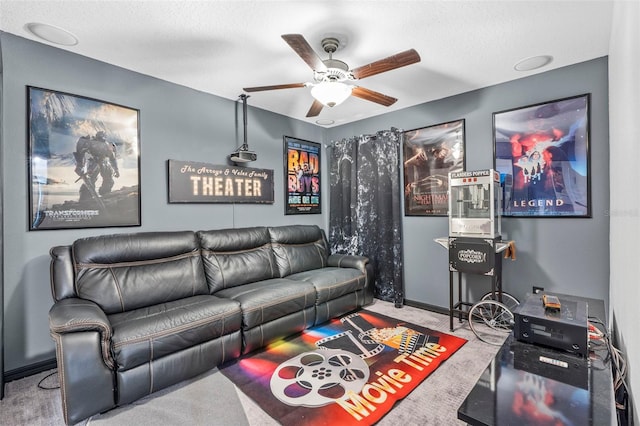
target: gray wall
564 255
175 123
624 111
561 255
1 245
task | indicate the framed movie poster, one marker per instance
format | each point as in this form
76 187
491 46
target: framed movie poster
84 162
542 154
302 176
429 154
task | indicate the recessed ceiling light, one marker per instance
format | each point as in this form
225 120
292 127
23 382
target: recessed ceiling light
533 63
324 122
51 34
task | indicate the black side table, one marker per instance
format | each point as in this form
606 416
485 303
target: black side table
517 389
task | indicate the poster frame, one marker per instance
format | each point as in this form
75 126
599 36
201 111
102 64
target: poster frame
447 139
559 132
59 164
295 202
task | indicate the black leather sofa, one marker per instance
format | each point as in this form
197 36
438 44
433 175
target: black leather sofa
136 313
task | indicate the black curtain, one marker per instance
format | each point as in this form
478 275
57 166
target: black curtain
365 214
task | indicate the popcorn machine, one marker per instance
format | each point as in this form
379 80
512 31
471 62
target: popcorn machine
474 204
475 234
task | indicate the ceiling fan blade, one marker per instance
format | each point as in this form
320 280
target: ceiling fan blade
399 60
373 96
276 87
304 50
315 109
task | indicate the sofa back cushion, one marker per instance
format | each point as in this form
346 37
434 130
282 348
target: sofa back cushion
233 257
129 271
298 248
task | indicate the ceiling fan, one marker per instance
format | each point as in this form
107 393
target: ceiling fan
330 76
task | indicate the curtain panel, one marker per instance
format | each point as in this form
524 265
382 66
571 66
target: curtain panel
365 206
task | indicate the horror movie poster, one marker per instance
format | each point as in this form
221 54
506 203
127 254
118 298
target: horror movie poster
83 162
302 176
544 148
429 155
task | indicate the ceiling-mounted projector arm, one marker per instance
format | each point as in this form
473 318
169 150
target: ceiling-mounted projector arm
242 154
244 97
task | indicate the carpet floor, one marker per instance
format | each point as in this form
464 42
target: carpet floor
212 399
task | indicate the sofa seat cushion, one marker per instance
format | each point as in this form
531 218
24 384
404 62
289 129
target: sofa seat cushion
146 334
332 282
267 300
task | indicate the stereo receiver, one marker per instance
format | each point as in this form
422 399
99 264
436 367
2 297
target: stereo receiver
564 327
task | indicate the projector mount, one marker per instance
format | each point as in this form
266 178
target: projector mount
242 154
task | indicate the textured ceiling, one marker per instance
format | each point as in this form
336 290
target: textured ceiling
219 47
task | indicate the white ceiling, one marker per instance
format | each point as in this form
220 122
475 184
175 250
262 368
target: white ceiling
221 46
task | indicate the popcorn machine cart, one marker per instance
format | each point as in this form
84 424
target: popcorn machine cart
475 242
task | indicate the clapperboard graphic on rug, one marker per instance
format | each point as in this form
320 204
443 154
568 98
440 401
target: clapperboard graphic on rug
365 340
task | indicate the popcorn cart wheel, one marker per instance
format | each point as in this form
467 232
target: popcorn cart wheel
491 321
507 299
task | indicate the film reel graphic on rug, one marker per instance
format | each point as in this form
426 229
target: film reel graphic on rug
318 378
338 367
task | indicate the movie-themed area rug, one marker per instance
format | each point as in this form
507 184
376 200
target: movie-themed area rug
348 371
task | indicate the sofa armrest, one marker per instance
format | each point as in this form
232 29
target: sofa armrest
358 262
348 261
74 315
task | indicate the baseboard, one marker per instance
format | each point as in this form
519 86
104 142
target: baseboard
426 307
30 370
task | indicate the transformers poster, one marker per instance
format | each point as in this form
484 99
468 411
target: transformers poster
83 162
544 147
430 154
302 176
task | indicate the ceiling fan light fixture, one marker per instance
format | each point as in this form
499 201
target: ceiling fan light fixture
331 93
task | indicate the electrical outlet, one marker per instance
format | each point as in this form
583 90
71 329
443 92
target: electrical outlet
537 290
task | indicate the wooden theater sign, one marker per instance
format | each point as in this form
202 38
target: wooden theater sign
193 182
